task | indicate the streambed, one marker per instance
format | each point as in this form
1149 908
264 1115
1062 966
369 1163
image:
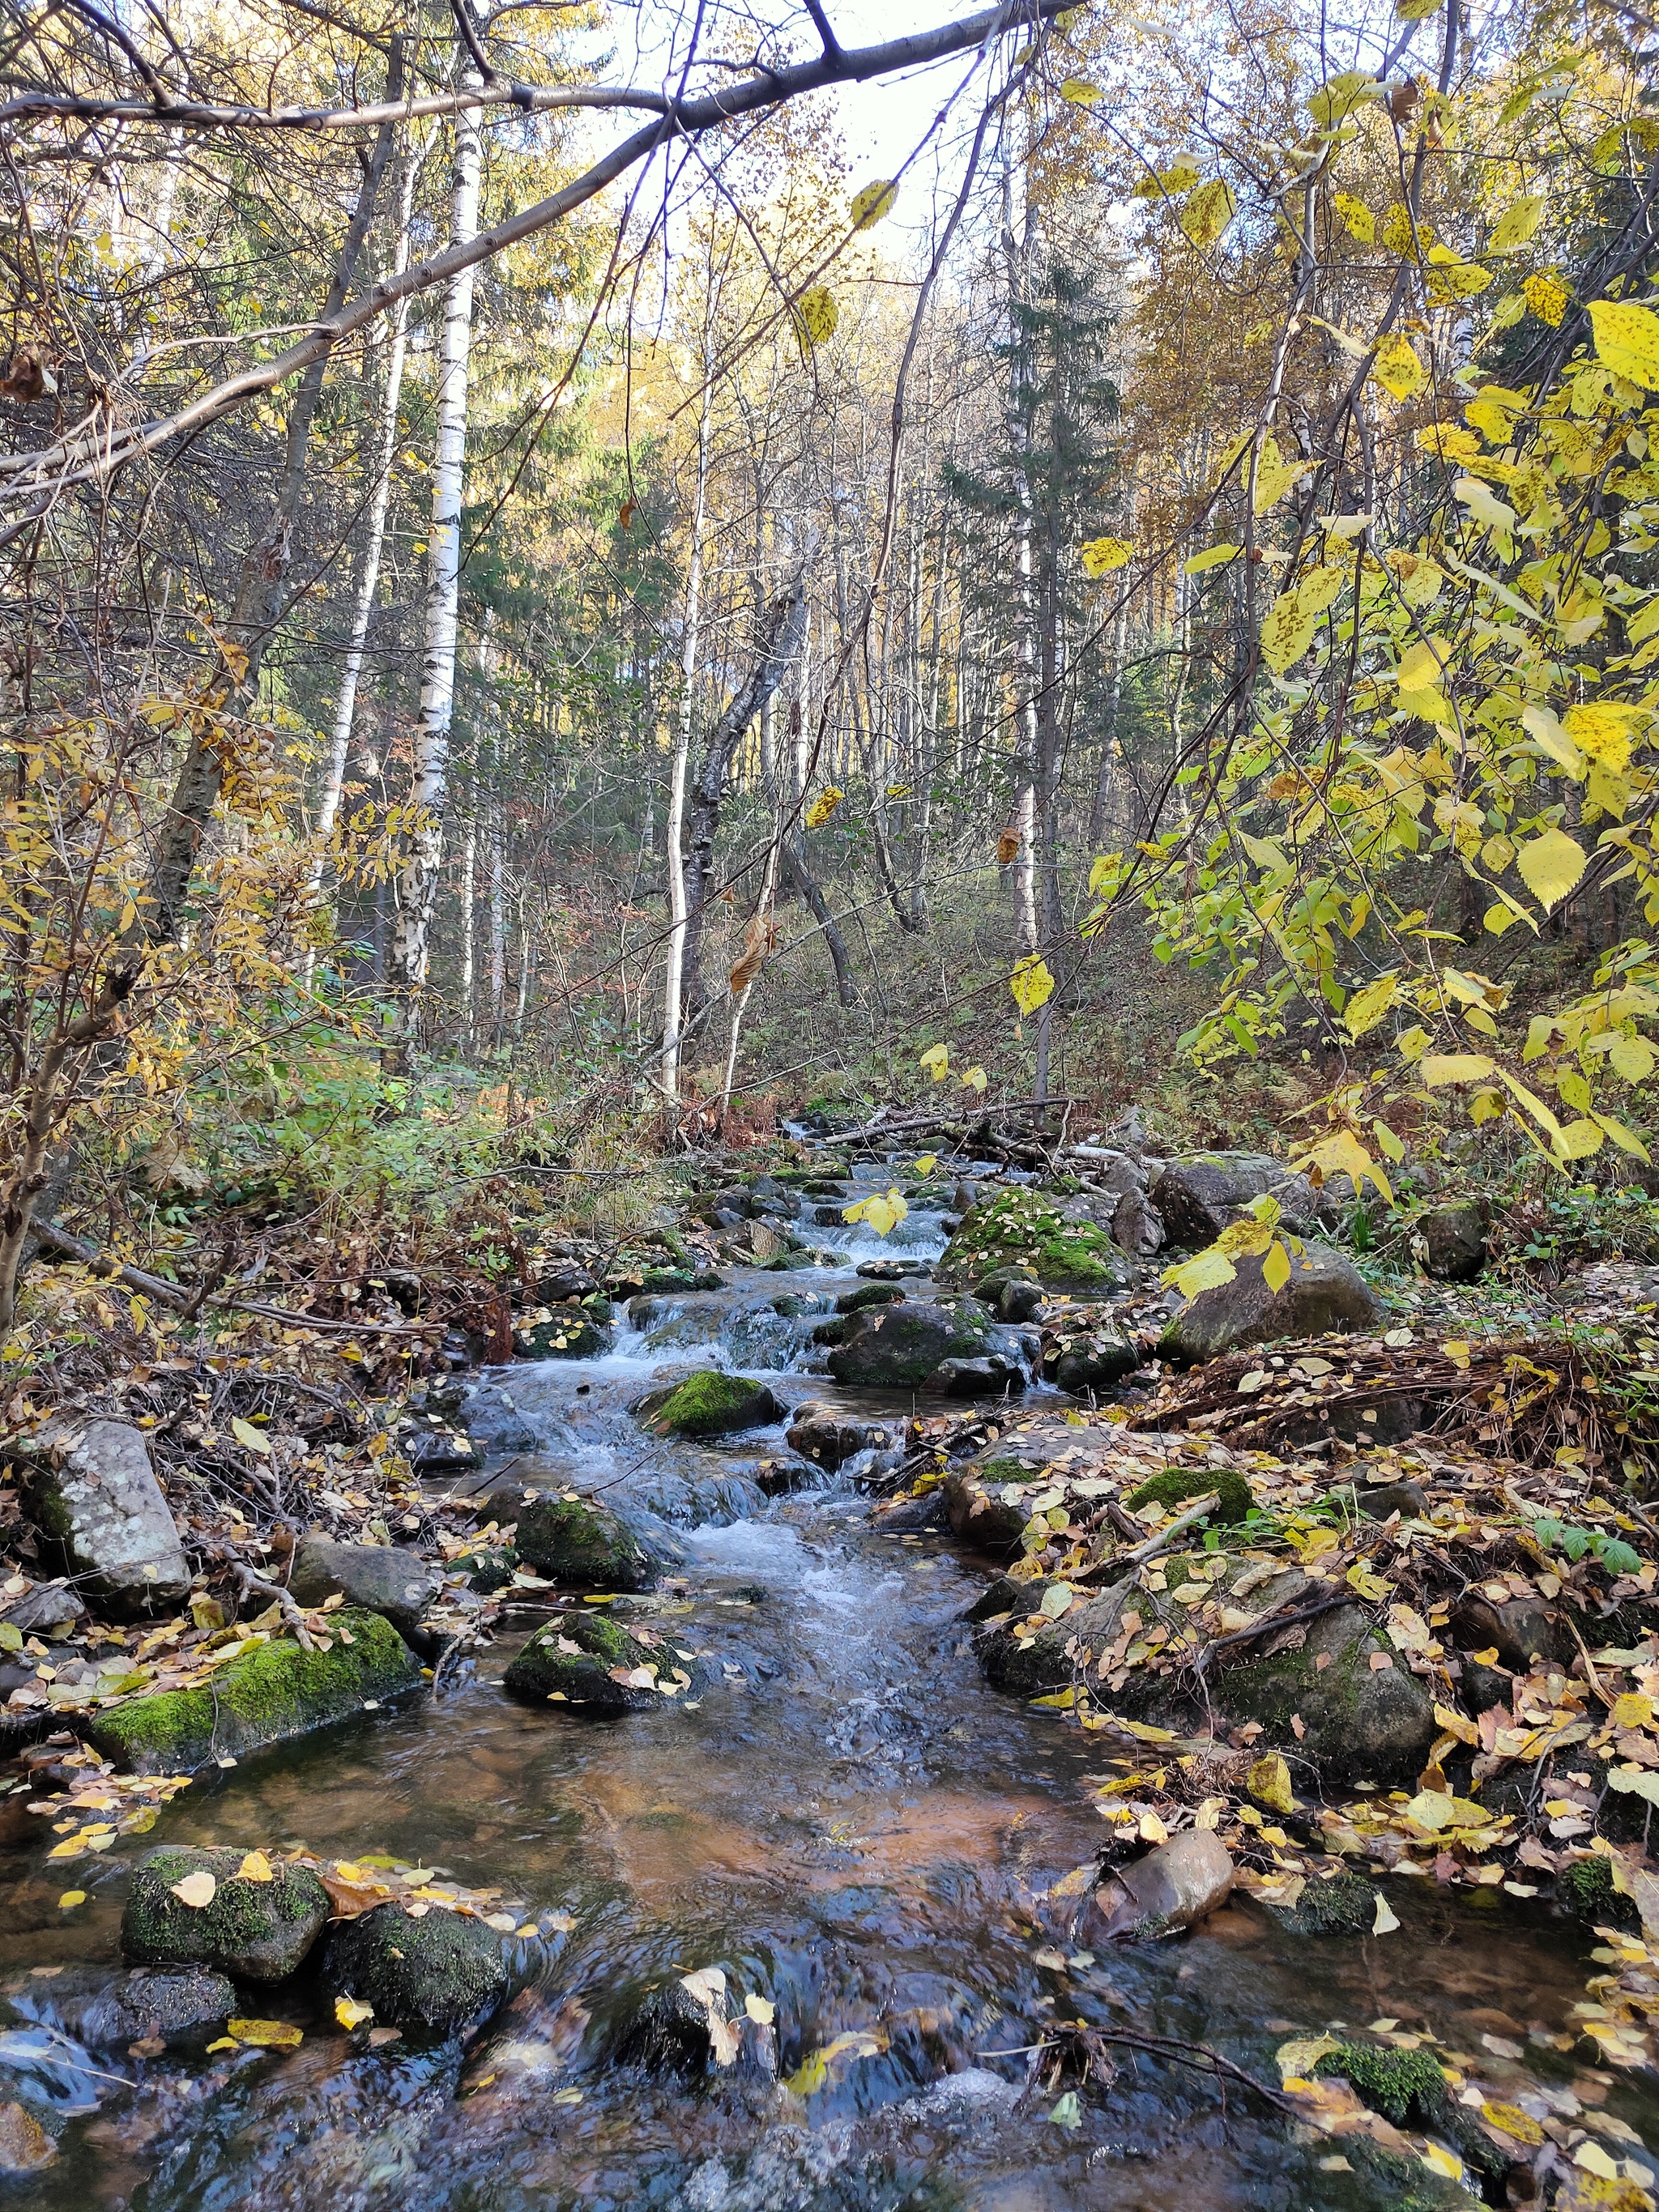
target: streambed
845 1820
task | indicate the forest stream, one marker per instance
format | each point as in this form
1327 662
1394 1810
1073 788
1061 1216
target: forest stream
844 1820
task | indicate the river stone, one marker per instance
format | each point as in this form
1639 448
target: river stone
1033 1662
571 1539
669 2032
271 1692
435 1971
1197 1197
397 1585
89 1488
568 1331
1358 1724
899 1347
1092 1359
1176 1885
1023 1230
1517 1628
433 1445
707 1404
259 1931
1010 1293
581 1658
1137 1225
170 2002
48 1607
824 1434
869 1294
1326 1292
1454 1240
25 2146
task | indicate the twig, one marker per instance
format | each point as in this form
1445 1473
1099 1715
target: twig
1269 1620
253 1585
1167 1536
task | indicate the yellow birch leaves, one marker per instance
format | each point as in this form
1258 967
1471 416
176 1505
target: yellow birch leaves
1627 340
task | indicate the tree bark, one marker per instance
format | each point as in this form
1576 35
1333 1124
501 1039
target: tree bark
674 963
1022 798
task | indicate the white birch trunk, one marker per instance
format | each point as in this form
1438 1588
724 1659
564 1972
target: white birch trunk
418 876
1023 813
674 978
469 932
497 928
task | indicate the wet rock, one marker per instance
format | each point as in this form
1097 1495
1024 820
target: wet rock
824 1434
433 1445
1138 1226
1452 1239
48 1608
1326 1292
987 1376
568 1331
494 1423
1095 1359
581 1658
397 1585
259 1931
1176 1885
1197 1197
572 1540
89 1487
760 1241
1006 1596
892 1271
1037 1651
1022 1230
562 1282
1345 1904
899 1346
435 1970
272 1691
176 2003
25 2146
1010 1293
672 2029
1519 1629
707 1404
912 1516
488 1567
1358 1723
869 1294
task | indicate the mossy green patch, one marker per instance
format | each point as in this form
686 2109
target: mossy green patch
580 1657
259 1930
1176 1485
271 1691
1585 1889
1408 2088
433 1973
1344 1905
1019 1228
571 1539
707 1404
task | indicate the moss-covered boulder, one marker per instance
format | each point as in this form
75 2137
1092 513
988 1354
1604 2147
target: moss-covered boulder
1090 1360
177 2004
869 1294
259 1930
435 1969
708 1404
1326 1293
897 1348
1023 1231
572 1540
1037 1651
581 1657
271 1691
1358 1723
577 1330
1585 1890
1010 1293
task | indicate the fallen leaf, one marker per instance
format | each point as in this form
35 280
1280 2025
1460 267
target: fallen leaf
254 1439
71 1897
267 2034
1385 1920
760 2010
256 1867
351 2013
195 1890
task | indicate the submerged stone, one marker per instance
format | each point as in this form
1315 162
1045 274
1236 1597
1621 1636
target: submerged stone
272 1691
571 1539
582 1658
25 2146
89 1487
1344 1905
1176 1885
435 1970
259 1931
707 1404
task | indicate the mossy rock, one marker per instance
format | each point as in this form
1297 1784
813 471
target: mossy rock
435 1971
897 1348
574 1331
867 1294
708 1404
580 1657
272 1691
1585 1890
1096 1360
1408 2088
1358 1722
259 1931
1176 1485
1344 1905
488 1567
1019 1230
572 1540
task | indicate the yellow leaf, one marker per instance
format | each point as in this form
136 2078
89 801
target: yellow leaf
881 1213
760 2010
1434 2156
1276 1266
1632 1711
926 1164
1207 212
255 1440
1633 1058
1383 1922
1102 555
1414 11
1550 866
1273 475
1268 1781
1080 92
1339 95
1517 224
1212 556
1205 1271
1627 340
815 315
1548 300
1603 729
1397 368
1394 1147
1579 1140
1180 177
255 1867
267 2034
1448 443
1342 1153
351 2013
975 1080
1450 275
71 1897
1370 1587
70 1848
195 1890
1366 1008
1287 632
1438 1068
823 807
1031 983
1596 2160
1357 218
872 203
936 1060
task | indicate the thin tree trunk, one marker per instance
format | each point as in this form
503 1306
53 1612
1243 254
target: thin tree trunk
468 918
497 928
673 978
1109 744
419 877
1023 808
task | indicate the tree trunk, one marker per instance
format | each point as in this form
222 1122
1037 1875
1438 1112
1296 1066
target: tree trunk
1023 807
674 975
418 876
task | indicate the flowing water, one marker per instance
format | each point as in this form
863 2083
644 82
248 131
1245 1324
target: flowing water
847 1821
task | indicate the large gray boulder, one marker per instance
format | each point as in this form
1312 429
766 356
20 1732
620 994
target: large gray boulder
89 1487
897 1348
1176 1885
1326 1293
1359 1722
397 1585
1197 1197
